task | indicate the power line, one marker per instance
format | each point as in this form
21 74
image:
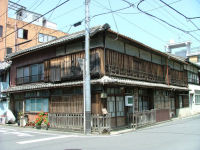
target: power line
37 18
114 19
42 26
130 22
112 11
172 16
152 9
37 5
187 32
179 12
188 18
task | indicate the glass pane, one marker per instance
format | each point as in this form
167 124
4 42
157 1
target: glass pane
26 74
45 105
28 105
38 104
20 33
34 73
33 105
19 72
41 37
34 69
45 38
41 71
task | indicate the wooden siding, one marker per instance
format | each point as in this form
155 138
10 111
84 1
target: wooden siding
128 66
67 67
73 104
119 64
32 58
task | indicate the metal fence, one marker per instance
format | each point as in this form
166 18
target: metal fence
99 123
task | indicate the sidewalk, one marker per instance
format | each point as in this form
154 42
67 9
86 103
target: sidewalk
114 132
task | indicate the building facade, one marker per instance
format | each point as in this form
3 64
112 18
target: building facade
39 31
127 77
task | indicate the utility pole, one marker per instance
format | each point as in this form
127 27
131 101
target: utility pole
87 71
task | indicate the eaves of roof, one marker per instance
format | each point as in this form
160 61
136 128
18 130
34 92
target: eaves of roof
57 41
81 34
103 80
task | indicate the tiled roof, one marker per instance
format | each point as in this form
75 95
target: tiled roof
103 80
4 65
60 40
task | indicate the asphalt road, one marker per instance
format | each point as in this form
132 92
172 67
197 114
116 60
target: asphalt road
175 135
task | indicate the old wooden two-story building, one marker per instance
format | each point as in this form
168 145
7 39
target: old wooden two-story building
126 77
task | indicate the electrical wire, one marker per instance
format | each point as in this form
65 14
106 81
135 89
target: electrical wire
179 12
37 18
114 20
151 9
173 17
34 8
187 32
112 11
187 18
132 23
42 26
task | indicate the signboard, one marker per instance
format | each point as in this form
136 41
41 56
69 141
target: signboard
129 100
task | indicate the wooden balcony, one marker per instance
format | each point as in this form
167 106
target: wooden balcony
133 74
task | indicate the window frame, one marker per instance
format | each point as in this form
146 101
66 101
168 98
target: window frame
32 105
1 31
22 33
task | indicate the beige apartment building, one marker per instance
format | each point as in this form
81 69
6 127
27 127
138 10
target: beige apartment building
39 31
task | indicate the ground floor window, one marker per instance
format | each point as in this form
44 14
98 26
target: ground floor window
197 99
37 105
115 106
111 106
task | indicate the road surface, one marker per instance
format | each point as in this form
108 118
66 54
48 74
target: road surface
174 135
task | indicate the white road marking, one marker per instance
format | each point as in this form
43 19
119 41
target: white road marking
3 131
43 139
60 137
43 133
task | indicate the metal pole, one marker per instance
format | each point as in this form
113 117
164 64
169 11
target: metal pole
84 124
87 70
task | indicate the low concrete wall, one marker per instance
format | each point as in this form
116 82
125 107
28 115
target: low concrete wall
183 112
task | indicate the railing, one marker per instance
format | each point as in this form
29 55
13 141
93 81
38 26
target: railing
178 82
135 74
30 79
140 119
76 122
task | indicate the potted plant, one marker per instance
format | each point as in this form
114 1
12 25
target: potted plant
42 121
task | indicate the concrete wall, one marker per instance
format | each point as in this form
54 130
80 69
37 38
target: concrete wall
195 108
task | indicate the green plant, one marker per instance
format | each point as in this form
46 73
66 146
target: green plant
19 115
42 118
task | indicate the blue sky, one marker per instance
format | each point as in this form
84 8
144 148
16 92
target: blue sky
130 22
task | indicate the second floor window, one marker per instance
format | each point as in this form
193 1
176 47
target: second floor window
32 73
45 38
22 33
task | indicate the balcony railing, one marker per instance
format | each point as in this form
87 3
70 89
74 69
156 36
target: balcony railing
135 74
30 79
